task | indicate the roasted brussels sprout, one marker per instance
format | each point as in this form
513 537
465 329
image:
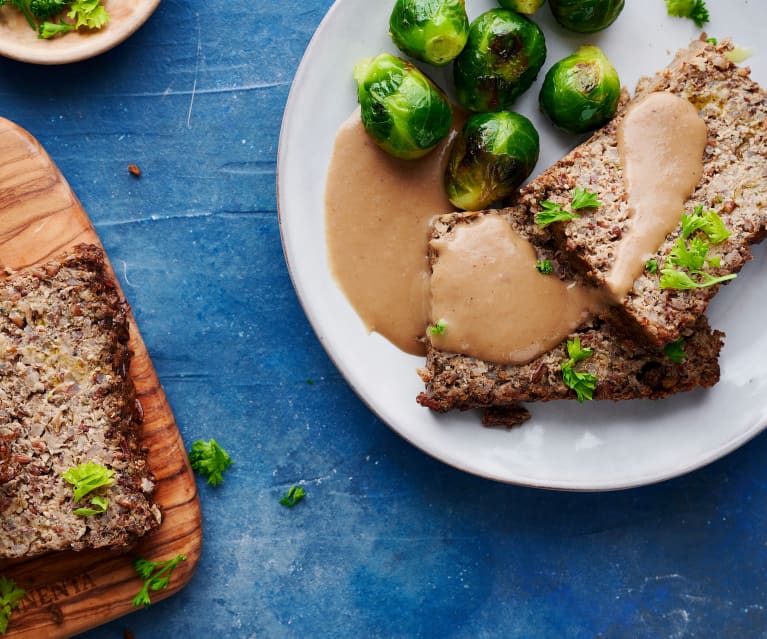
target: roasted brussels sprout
491 156
501 60
580 92
586 16
434 31
528 7
402 110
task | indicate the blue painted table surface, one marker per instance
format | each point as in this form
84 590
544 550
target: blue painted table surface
389 542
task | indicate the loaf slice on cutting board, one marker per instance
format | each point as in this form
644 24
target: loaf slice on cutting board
66 399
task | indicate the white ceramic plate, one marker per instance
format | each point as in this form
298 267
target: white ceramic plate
594 446
20 42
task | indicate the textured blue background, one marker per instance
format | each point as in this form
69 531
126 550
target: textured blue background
388 543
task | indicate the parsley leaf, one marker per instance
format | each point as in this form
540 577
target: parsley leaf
439 328
10 596
100 504
50 29
673 278
675 351
582 383
156 576
691 256
693 222
87 477
292 496
691 253
544 266
210 460
652 266
715 228
553 212
88 13
583 199
696 10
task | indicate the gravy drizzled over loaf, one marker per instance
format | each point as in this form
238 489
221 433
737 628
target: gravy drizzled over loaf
494 303
661 141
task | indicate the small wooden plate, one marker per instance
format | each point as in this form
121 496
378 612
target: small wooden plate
69 592
20 42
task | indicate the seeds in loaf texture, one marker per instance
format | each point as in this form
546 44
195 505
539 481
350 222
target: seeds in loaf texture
66 399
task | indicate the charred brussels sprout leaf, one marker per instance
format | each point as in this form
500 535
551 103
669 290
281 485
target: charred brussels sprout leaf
586 16
580 92
434 31
402 110
501 60
528 7
490 158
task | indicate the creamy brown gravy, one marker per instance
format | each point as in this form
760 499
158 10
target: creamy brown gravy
494 303
661 142
377 214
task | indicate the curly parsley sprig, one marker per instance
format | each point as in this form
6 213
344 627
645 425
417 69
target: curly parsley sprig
85 478
683 267
83 14
293 495
582 383
210 460
695 10
552 212
156 576
10 597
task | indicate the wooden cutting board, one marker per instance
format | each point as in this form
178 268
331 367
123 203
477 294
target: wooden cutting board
68 593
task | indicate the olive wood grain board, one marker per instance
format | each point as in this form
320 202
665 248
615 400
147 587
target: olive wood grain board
69 592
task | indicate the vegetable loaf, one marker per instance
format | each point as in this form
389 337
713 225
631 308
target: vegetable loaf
65 399
734 184
624 368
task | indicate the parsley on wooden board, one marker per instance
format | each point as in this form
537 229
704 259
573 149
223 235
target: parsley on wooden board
10 596
156 576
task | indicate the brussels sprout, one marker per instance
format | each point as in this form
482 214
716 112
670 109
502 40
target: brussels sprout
493 154
434 31
581 92
528 7
501 60
586 16
404 112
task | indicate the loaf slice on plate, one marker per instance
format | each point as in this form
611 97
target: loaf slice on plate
66 399
625 368
734 184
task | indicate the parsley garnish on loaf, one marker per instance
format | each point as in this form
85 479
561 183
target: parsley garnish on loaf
582 383
683 268
554 212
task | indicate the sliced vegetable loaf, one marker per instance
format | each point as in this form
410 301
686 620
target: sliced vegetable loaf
623 367
734 184
65 399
